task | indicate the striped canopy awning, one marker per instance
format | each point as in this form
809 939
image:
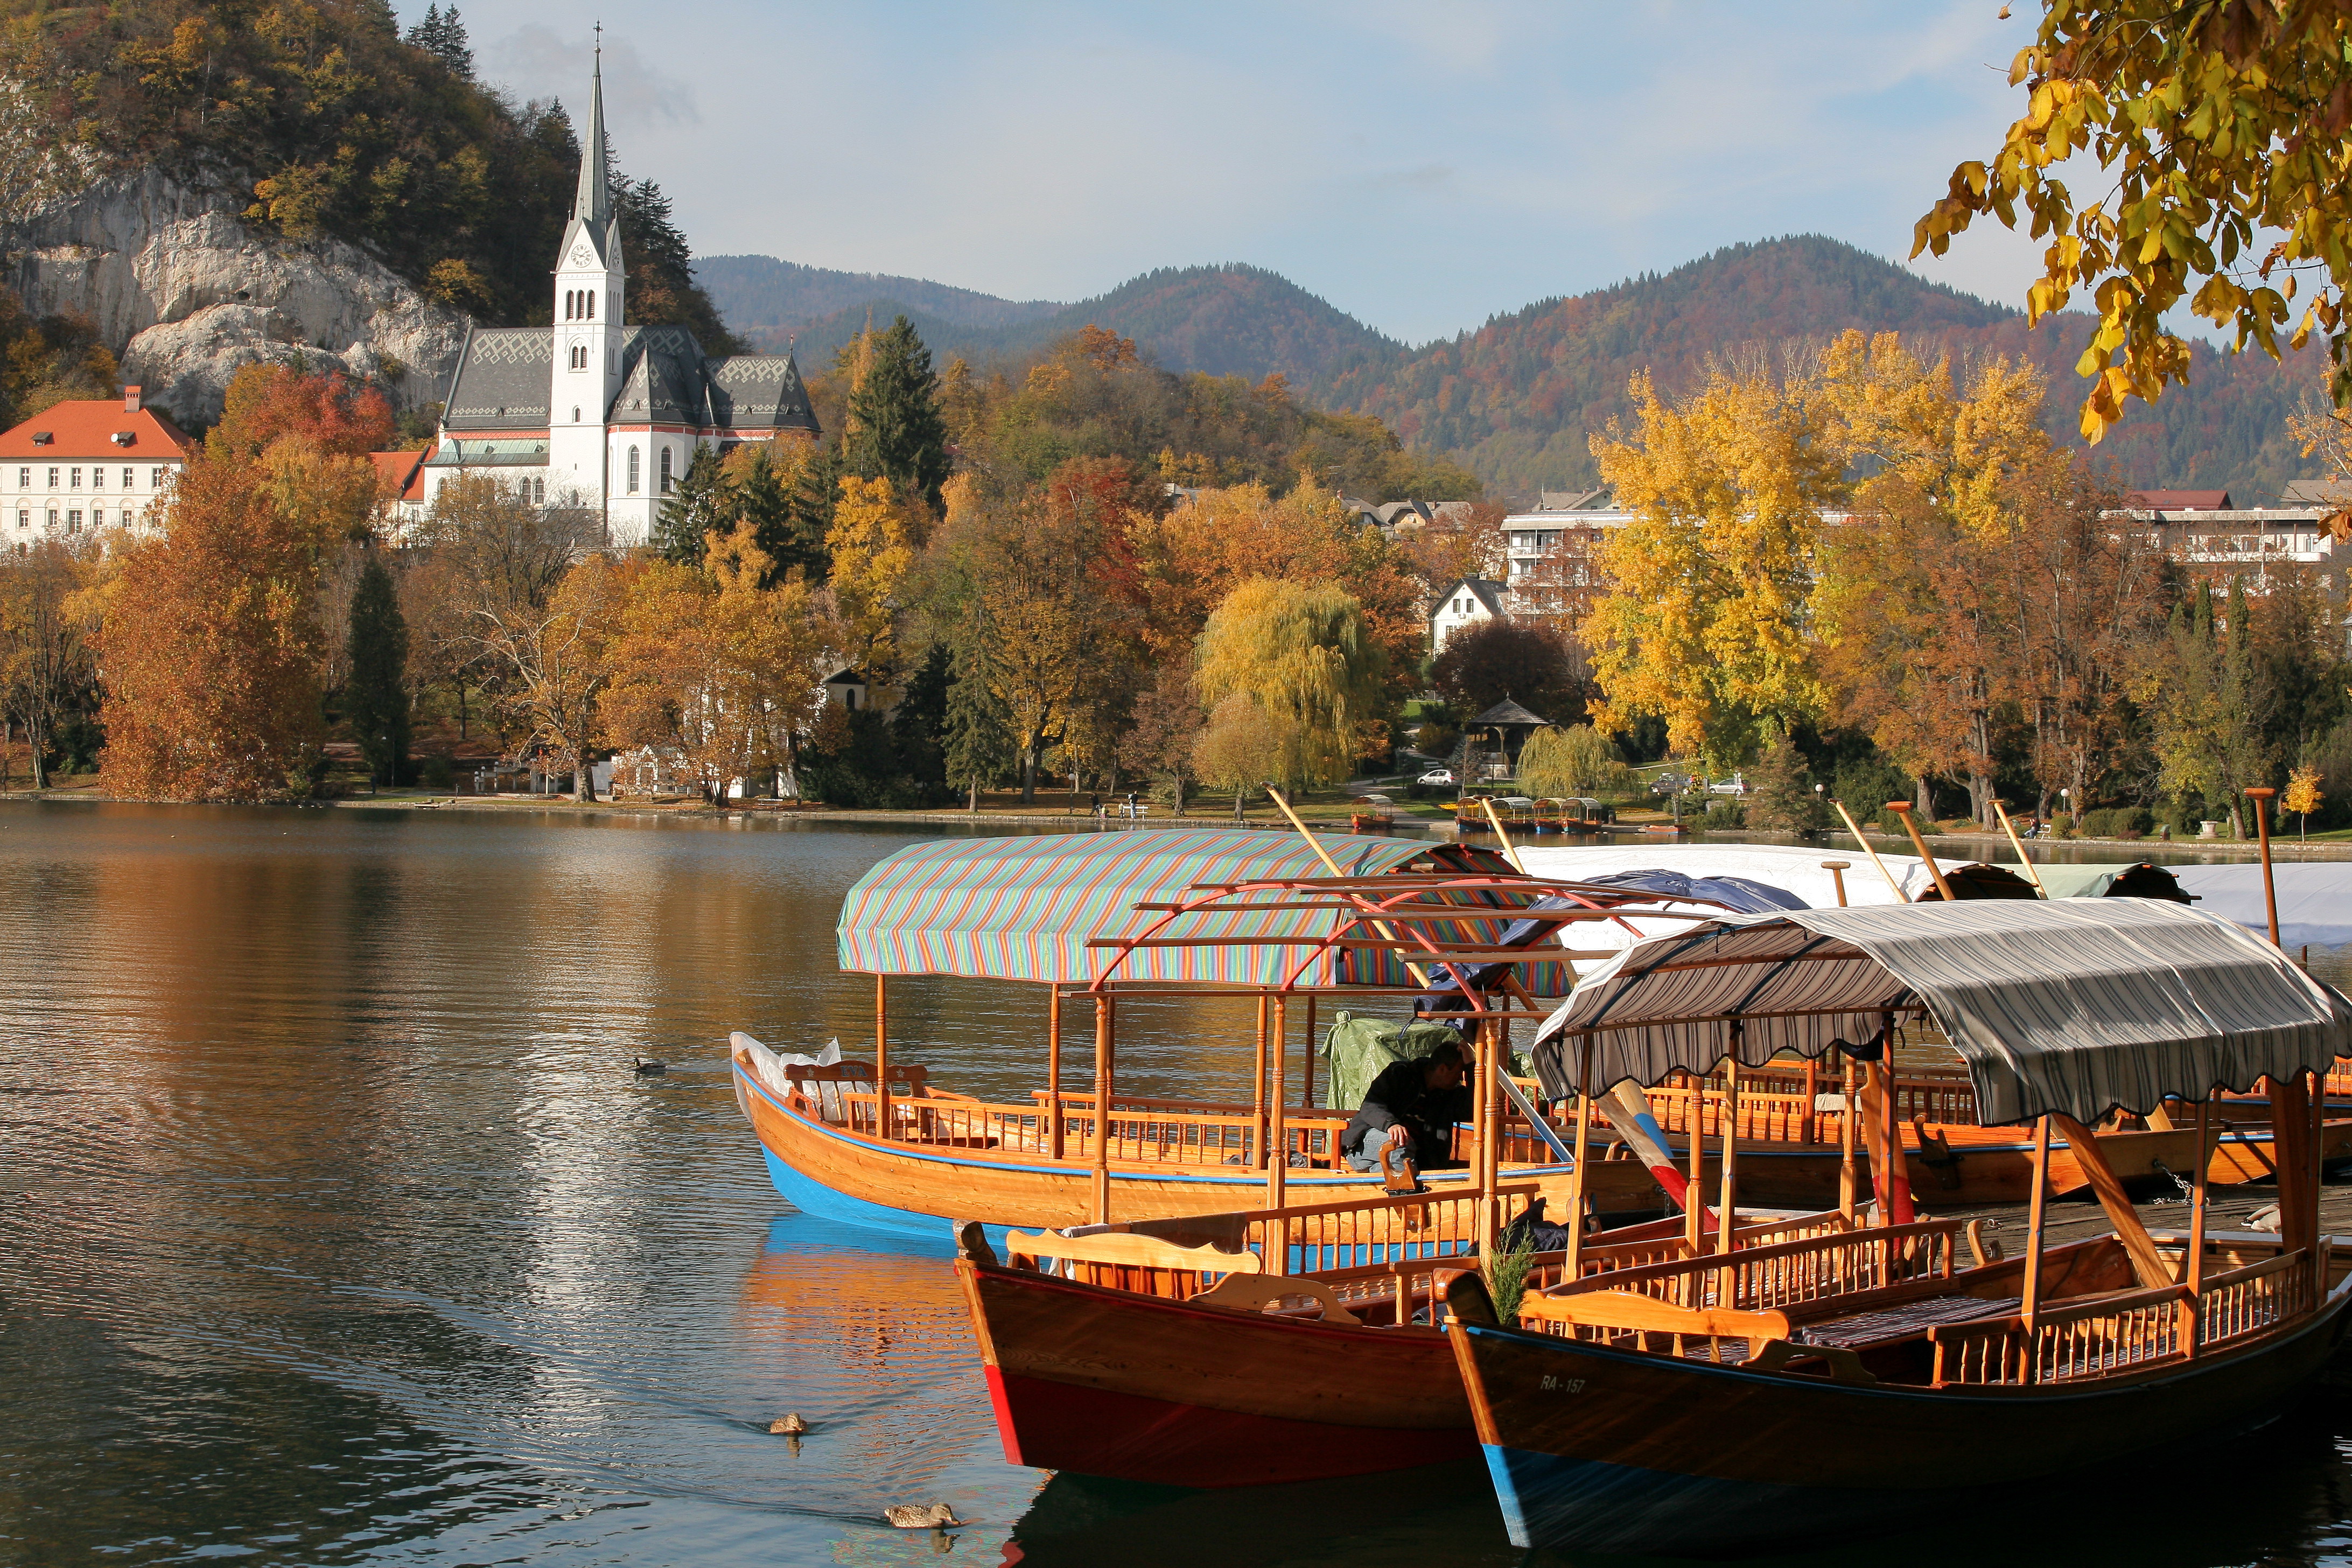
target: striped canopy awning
1026 908
2077 1007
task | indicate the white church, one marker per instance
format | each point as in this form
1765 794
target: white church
593 412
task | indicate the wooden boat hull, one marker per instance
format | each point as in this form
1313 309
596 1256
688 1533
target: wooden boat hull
1134 1387
912 1188
1597 1449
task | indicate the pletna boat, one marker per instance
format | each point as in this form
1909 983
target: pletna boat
1864 1381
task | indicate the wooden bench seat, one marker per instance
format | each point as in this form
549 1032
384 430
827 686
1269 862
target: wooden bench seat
1907 1320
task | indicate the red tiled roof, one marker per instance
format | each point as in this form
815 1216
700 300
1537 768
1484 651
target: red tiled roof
86 428
2179 500
401 475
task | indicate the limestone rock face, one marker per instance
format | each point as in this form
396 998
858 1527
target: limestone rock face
187 295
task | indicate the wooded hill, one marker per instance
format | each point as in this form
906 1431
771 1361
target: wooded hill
329 123
1516 400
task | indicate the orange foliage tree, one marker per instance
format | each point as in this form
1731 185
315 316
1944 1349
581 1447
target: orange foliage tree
209 653
267 402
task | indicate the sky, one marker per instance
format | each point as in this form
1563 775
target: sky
1420 166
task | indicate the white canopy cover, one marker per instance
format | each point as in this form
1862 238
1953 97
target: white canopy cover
2079 1006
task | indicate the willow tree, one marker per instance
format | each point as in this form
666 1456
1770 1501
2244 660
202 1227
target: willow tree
1303 654
1579 760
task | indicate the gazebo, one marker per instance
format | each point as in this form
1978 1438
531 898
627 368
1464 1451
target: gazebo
1509 723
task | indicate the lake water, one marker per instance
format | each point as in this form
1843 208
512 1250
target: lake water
336 1227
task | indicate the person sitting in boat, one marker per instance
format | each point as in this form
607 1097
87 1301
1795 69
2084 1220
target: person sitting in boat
1411 1106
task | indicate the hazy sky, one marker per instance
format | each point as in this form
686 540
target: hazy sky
1421 166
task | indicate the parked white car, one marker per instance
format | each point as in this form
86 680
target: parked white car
1436 776
1734 785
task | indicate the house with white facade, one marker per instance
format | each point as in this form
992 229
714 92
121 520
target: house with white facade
594 413
1467 602
88 464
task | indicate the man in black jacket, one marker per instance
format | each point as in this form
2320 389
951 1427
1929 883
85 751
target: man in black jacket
1411 1106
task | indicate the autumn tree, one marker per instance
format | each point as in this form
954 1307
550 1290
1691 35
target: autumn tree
551 661
210 651
2220 134
376 700
47 670
699 507
1704 620
1463 541
871 544
1166 725
1305 656
265 403
1241 747
1535 664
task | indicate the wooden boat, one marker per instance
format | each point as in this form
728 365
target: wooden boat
1837 1383
1148 1353
1099 918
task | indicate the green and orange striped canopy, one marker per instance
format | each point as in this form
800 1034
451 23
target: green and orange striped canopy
1025 908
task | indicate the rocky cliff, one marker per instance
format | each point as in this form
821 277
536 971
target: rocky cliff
187 295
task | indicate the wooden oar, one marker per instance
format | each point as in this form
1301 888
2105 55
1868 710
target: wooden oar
1855 829
1902 808
1420 974
1502 837
2019 844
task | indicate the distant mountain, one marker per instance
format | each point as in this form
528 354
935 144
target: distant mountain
1230 319
1516 400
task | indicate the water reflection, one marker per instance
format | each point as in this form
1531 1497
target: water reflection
334 1228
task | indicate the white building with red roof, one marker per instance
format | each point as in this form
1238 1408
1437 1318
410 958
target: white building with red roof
89 464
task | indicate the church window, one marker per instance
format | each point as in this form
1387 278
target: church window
632 471
665 471
575 414
592 304
567 304
539 492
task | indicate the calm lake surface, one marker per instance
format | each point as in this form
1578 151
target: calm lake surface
335 1227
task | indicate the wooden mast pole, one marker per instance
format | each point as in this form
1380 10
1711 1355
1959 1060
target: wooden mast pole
1574 1267
881 1057
2260 795
1278 1145
2295 1120
1837 870
1054 1068
1694 1202
1855 829
1490 1134
1727 1208
1902 808
1306 1067
1102 1109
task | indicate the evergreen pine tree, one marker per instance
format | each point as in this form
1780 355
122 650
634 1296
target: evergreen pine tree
701 503
378 695
978 728
897 431
443 36
813 500
777 525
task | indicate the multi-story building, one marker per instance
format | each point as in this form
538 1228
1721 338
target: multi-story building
78 468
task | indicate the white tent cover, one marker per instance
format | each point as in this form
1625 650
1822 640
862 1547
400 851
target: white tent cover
2077 1006
2314 898
1796 868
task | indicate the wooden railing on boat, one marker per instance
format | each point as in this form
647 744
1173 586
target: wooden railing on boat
2104 1334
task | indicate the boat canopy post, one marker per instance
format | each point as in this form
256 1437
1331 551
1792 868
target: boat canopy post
1695 1189
1490 1131
2036 1208
1102 1108
1728 1206
2295 1118
1257 1093
1307 1094
1278 1143
882 1057
1053 1067
2193 1265
1574 1263
1845 1146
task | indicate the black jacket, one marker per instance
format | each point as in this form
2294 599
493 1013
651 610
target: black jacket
1402 1094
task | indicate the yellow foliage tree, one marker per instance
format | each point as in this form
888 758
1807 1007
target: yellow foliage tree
1704 624
871 546
1559 762
2220 132
1241 748
2303 795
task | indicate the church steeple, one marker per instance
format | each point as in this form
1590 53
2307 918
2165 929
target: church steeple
593 201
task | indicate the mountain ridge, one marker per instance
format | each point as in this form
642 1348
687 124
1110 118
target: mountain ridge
1516 398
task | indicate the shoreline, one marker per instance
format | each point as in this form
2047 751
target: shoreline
1989 848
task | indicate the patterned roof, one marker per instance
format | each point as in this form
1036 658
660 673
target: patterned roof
760 392
504 379
662 378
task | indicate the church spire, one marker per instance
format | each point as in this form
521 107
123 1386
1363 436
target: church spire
593 202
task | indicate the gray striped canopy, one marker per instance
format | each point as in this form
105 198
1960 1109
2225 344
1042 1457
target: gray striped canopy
2076 1006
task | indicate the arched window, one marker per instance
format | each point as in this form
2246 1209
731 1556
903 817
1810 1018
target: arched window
539 492
632 471
575 414
592 304
665 471
567 304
